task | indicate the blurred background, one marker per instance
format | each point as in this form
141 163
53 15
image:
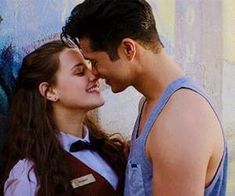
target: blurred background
198 34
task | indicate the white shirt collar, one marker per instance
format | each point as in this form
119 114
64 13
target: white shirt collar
67 139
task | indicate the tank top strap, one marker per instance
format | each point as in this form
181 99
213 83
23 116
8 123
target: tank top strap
183 82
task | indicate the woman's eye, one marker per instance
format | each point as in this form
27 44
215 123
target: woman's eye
80 72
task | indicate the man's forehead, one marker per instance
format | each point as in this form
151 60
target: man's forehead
84 44
87 56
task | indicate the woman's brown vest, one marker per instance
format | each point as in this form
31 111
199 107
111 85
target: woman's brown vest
100 186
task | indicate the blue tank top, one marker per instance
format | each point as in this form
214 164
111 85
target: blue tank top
139 168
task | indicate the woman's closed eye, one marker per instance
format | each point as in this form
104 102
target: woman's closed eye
80 71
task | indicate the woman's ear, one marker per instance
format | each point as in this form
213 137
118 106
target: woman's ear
47 92
129 48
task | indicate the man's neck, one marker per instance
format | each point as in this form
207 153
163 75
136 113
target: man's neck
158 71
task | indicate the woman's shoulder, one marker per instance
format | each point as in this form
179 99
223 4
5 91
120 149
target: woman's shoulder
22 167
21 178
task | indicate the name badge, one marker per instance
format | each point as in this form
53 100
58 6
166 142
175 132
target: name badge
81 181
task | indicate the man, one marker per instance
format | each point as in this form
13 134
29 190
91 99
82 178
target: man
178 147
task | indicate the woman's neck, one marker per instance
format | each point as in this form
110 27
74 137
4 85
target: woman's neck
70 122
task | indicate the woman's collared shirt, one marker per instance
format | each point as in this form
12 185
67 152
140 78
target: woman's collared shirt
19 184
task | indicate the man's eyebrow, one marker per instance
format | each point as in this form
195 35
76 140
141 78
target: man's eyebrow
92 61
89 59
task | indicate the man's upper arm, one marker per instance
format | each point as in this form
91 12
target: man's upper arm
179 148
179 167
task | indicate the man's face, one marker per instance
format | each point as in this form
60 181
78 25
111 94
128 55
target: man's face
115 73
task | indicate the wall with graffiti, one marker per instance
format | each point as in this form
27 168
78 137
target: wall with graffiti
199 35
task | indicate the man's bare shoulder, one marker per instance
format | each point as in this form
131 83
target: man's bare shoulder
184 139
187 119
187 111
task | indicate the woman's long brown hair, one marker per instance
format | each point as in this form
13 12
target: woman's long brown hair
31 132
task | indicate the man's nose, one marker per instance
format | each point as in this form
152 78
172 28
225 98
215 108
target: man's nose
93 76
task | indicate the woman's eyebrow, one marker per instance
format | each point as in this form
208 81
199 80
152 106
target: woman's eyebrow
77 65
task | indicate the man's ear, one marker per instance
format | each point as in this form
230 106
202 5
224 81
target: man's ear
47 91
128 46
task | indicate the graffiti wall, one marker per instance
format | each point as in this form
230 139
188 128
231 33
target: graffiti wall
198 34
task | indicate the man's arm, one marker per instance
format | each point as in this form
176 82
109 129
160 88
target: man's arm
180 146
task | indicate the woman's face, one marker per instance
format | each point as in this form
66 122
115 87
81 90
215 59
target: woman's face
76 87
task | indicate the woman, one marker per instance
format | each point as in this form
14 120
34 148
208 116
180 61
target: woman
55 90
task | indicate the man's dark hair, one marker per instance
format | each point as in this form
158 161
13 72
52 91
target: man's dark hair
107 22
